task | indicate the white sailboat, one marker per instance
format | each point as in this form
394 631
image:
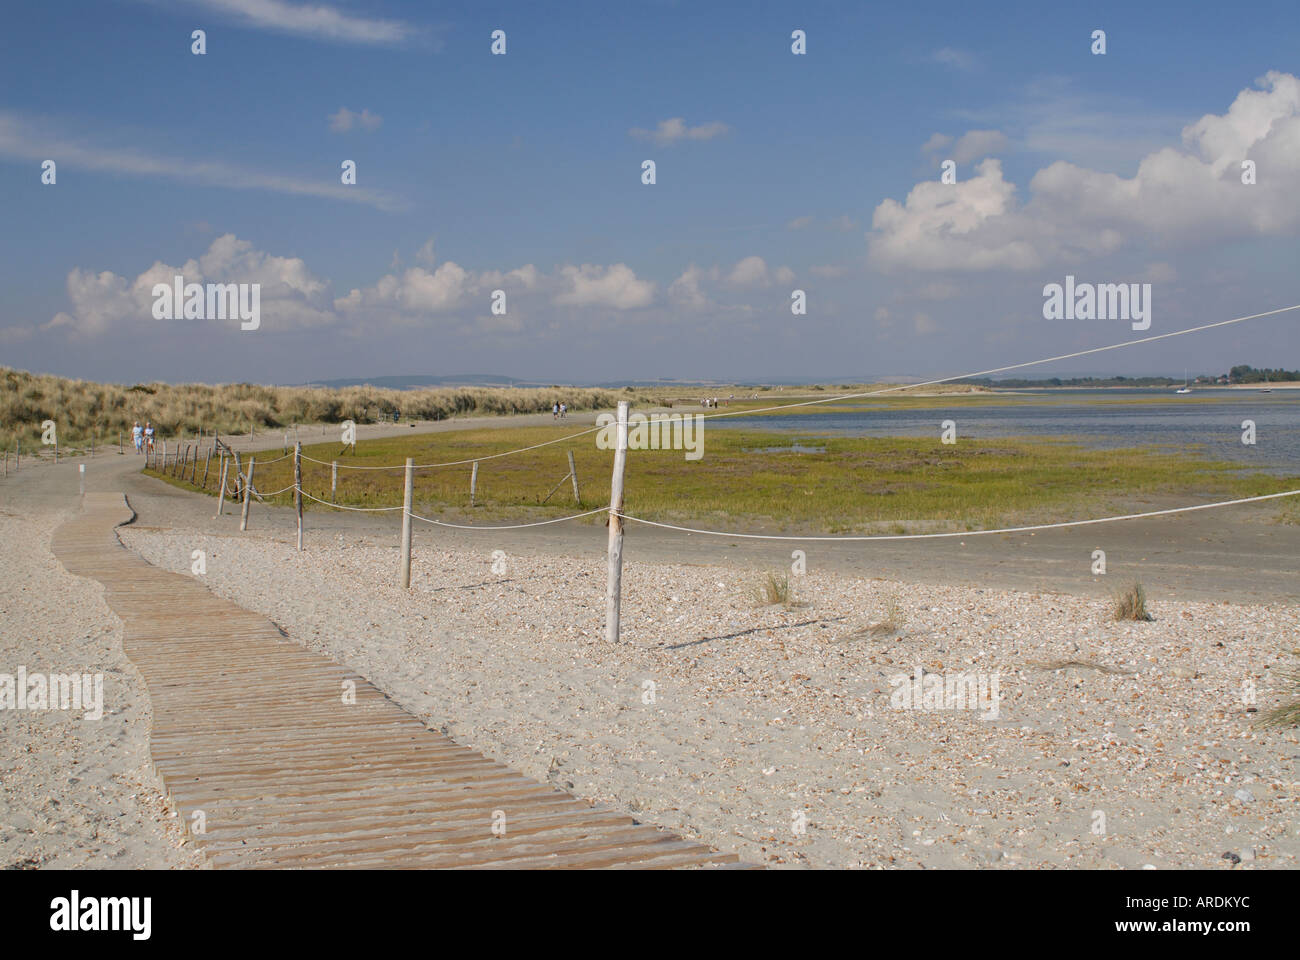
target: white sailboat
1185 387
1266 388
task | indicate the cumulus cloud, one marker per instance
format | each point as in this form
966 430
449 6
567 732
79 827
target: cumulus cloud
753 272
1178 195
345 120
594 286
104 302
675 129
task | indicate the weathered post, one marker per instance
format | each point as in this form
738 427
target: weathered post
207 462
406 523
573 473
221 487
248 494
297 486
334 478
614 587
473 482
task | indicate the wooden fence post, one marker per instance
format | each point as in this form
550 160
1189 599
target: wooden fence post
473 482
334 478
221 487
406 523
239 478
613 588
297 486
207 462
248 494
573 472
164 457
119 442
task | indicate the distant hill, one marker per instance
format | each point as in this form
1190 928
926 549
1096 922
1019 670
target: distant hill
413 382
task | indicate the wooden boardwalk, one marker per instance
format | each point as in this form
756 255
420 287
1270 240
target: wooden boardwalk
251 732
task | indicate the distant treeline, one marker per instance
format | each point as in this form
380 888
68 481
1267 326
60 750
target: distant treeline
1241 373
81 409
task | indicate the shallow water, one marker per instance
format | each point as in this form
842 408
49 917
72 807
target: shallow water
1207 425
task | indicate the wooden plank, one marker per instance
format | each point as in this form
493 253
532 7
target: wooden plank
252 731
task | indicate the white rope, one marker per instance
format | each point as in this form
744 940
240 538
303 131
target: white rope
967 533
513 526
343 506
851 396
1014 366
276 494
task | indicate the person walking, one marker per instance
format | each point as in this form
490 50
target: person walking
137 437
148 436
555 411
564 408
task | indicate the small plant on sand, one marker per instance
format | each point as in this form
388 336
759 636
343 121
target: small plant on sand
891 624
1131 604
774 589
1287 714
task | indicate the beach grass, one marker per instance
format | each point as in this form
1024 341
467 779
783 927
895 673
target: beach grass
802 484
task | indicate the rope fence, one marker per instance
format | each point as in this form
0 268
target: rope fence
243 487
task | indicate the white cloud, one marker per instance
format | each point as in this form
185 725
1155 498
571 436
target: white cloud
414 291
798 223
317 21
675 129
105 302
594 286
972 145
937 141
345 120
1177 196
27 141
753 272
686 291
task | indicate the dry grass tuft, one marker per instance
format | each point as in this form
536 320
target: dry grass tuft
774 589
1131 604
1286 714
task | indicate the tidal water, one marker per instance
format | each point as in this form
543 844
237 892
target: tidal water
1206 423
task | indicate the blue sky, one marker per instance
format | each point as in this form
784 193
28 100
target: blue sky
522 172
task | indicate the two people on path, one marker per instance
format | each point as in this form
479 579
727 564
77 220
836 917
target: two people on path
558 410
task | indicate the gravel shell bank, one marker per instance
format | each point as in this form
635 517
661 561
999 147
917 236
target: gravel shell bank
769 731
74 792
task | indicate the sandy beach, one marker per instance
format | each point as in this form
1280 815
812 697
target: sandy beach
764 731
